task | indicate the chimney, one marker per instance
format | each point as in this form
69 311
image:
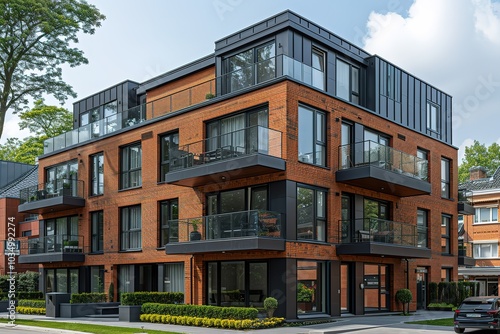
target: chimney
477 172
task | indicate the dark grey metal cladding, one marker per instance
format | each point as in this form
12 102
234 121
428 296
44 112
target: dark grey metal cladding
52 257
374 248
382 180
10 171
226 170
124 93
466 261
53 204
465 208
225 245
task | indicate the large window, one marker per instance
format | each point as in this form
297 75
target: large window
61 280
237 283
311 213
59 230
445 234
62 178
433 117
131 164
250 67
422 163
445 178
96 225
97 174
347 81
486 250
312 137
311 286
422 227
169 154
97 279
131 228
318 65
486 215
169 226
391 83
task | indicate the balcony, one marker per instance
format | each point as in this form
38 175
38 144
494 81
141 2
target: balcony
370 236
235 231
240 154
57 195
253 75
465 257
465 206
381 168
52 248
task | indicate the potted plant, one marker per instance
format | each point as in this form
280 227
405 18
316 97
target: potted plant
195 235
209 96
270 305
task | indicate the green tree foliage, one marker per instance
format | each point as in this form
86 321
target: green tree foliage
43 121
479 155
37 37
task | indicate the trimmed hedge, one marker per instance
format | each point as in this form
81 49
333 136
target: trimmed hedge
36 303
30 310
88 297
201 311
24 295
140 298
211 322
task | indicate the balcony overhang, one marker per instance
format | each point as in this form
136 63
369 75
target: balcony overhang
225 170
54 204
52 257
225 245
466 261
465 208
384 181
385 249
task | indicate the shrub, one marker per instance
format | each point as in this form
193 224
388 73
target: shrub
404 296
304 294
433 292
35 303
202 311
139 298
270 304
88 297
111 292
30 310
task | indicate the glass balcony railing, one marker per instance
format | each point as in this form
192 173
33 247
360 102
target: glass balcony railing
254 74
227 225
374 154
56 188
465 196
61 243
247 141
378 230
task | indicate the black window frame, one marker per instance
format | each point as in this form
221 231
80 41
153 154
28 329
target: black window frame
125 173
423 230
169 212
97 232
315 219
96 171
168 155
445 178
433 114
322 142
126 234
445 234
353 89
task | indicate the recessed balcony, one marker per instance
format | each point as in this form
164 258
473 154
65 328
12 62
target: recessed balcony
52 248
381 168
235 231
371 236
57 195
240 154
465 257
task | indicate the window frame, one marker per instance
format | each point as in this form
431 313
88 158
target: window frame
126 173
433 114
167 158
97 174
97 232
477 250
321 56
353 86
129 232
445 178
319 227
478 215
167 214
319 141
445 234
423 229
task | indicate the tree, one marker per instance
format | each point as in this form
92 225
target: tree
479 155
36 38
404 296
43 121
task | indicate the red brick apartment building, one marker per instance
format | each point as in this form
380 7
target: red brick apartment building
288 163
479 230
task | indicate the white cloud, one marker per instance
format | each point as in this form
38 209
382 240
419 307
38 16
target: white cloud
453 45
11 128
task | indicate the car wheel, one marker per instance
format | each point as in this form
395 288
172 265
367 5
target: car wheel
459 330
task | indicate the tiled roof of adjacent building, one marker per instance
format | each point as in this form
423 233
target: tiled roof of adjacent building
491 182
28 179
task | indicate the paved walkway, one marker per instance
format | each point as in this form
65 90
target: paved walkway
342 324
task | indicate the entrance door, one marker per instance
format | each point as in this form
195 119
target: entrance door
376 283
345 288
421 288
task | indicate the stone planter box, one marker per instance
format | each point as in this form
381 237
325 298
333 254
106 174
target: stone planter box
3 305
68 310
130 313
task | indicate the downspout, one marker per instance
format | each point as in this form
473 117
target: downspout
192 278
407 273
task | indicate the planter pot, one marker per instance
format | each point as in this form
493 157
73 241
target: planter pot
130 313
194 235
3 305
68 310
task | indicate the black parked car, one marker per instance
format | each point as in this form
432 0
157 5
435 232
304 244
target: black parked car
478 312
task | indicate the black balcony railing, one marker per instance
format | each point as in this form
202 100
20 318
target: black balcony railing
61 243
253 223
378 230
251 140
252 75
56 188
374 154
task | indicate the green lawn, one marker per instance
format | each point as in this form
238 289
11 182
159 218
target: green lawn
81 327
435 322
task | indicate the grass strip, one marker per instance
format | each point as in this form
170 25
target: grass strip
435 322
87 328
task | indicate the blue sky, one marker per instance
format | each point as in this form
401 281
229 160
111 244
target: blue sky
452 44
